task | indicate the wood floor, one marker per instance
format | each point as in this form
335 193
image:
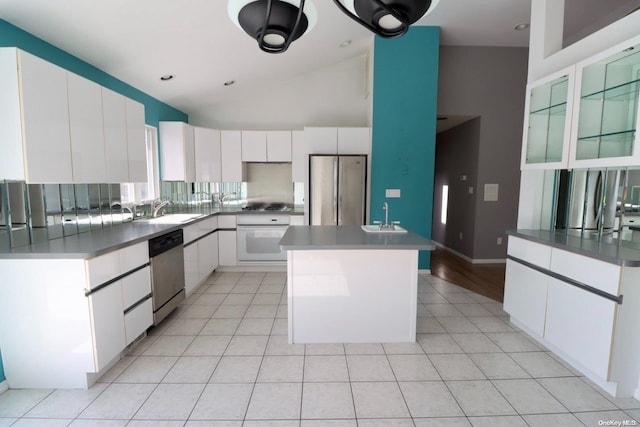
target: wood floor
485 279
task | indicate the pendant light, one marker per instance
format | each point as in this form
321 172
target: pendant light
273 23
386 18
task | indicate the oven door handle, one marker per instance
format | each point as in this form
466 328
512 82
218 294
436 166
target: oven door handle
262 227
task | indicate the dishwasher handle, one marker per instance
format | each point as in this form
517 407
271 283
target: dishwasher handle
166 242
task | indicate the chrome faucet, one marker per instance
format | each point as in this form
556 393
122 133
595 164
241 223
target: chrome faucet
224 197
385 207
157 208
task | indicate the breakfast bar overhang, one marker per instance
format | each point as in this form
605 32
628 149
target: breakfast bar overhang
345 285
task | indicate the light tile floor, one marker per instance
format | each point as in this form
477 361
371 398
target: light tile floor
222 359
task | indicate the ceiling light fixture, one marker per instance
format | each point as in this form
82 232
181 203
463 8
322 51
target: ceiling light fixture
386 18
229 82
273 23
166 77
345 43
521 27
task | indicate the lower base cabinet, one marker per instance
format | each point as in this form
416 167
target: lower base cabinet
200 259
581 325
191 273
107 321
228 248
138 320
526 295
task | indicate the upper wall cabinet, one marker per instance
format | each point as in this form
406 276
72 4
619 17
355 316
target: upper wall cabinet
338 140
604 126
34 111
299 156
207 152
231 154
177 152
547 122
279 146
254 146
55 126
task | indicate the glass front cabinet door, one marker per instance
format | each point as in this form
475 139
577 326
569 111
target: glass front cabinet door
547 121
605 122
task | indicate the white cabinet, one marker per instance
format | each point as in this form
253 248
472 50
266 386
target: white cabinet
354 141
107 323
581 324
279 146
138 320
177 152
114 119
136 141
207 255
525 296
254 146
34 110
296 220
227 248
191 273
321 140
86 130
547 121
606 115
200 252
299 156
231 154
338 140
207 155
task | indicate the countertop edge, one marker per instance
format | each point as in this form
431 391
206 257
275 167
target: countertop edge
619 254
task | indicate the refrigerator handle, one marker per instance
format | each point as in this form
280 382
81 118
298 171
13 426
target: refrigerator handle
336 214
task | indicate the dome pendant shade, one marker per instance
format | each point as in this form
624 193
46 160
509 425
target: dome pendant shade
274 24
386 18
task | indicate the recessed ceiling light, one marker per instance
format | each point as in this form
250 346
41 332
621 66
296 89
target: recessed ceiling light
345 43
521 27
229 82
166 77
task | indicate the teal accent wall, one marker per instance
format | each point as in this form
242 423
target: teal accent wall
155 110
405 93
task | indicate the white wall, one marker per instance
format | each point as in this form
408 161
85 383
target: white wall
337 95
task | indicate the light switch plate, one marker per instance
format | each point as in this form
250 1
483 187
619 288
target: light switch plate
392 193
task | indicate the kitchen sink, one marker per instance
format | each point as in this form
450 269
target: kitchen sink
387 230
171 219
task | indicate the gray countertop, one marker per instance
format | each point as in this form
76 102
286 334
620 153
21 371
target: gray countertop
110 238
319 237
615 251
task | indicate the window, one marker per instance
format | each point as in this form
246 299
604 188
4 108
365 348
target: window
150 190
445 203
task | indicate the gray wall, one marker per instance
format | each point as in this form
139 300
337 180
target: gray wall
450 167
488 82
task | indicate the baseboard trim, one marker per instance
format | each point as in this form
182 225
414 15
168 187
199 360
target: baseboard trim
427 271
4 386
468 259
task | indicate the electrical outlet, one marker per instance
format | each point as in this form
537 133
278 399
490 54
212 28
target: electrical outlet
499 240
460 236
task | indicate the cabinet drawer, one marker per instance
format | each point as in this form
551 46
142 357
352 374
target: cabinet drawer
135 287
103 268
208 225
133 256
532 252
227 221
598 274
191 233
138 320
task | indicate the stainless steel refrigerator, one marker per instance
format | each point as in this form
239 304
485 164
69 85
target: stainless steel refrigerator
337 189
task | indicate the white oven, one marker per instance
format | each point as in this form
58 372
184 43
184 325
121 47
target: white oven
259 237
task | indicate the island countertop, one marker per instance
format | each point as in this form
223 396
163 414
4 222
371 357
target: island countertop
324 237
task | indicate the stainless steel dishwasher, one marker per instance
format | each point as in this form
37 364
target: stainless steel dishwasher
167 273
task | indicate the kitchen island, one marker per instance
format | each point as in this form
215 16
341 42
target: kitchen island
345 285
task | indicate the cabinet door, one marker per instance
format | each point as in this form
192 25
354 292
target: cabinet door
189 154
135 287
138 320
45 113
279 146
114 117
191 272
525 296
354 141
228 248
172 151
107 321
86 130
207 155
321 140
581 325
299 156
207 252
254 146
12 160
136 141
231 156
